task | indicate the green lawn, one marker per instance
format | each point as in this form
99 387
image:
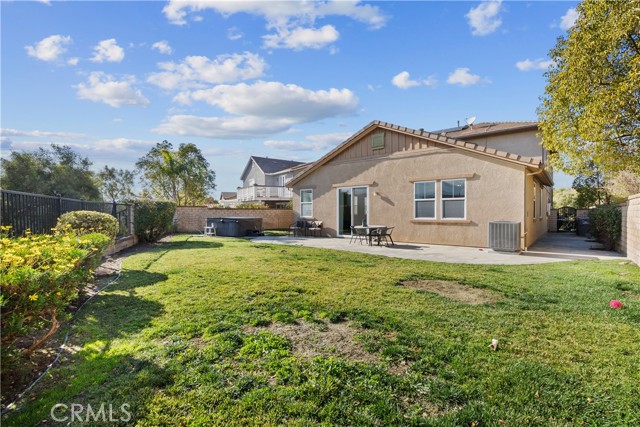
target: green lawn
188 336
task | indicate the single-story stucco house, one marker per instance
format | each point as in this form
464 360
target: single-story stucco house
443 187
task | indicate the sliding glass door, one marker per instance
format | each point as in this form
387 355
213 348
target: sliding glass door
352 208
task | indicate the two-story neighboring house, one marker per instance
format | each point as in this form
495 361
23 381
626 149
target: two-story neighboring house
264 181
460 186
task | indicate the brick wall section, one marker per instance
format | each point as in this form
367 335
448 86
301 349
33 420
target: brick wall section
122 244
630 236
192 219
552 221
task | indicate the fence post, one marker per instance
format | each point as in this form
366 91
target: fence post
59 205
114 209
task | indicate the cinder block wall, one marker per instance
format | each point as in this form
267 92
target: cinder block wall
630 236
192 219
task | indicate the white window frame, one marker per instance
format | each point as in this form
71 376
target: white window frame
447 199
434 199
306 203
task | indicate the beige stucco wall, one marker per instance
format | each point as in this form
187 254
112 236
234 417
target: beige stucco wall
630 236
536 225
494 193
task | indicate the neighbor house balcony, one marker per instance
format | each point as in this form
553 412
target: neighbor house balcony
259 193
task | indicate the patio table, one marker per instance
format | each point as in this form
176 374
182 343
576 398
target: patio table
372 231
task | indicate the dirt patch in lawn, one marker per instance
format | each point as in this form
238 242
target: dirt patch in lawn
309 340
454 291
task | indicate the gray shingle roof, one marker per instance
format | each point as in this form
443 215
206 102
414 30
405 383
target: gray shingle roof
269 165
228 195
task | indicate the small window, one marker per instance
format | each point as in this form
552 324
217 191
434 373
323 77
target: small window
453 199
377 141
534 200
540 201
306 203
425 199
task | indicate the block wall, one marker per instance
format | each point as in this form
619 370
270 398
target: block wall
192 219
630 236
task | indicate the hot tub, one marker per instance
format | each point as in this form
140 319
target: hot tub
236 226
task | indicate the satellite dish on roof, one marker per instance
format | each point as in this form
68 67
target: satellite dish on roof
470 120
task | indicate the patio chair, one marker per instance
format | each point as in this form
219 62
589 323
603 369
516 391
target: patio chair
315 228
387 236
297 227
358 234
377 234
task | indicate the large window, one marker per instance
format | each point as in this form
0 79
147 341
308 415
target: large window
306 203
453 198
425 199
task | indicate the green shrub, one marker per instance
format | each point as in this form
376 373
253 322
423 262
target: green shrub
606 225
39 276
152 220
251 206
83 222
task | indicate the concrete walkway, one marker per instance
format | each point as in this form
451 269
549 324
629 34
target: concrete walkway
546 251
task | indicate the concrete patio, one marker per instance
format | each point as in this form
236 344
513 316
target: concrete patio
553 247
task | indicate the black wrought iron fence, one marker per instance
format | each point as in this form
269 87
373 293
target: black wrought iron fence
39 213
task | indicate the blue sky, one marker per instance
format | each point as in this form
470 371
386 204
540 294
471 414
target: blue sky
284 79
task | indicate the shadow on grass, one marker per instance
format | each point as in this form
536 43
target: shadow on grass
113 315
123 385
131 279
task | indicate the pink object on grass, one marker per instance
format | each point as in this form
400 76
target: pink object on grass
615 304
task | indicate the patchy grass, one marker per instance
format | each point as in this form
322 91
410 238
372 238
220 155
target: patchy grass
207 332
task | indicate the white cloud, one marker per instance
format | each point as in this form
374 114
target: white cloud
102 87
194 71
277 13
73 61
39 134
234 34
162 47
301 38
403 80
568 19
293 21
462 77
484 18
221 127
258 110
317 142
109 51
430 81
276 100
536 64
49 48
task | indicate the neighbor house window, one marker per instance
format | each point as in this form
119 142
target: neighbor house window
306 203
453 198
425 199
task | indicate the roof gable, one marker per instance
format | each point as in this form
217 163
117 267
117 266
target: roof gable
444 140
